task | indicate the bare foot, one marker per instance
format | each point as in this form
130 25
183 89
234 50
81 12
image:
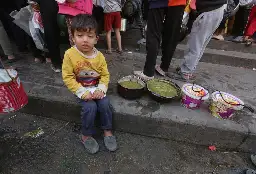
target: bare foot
48 60
11 57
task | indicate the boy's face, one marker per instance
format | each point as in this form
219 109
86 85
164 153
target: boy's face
85 40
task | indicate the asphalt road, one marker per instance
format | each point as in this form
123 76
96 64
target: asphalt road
58 150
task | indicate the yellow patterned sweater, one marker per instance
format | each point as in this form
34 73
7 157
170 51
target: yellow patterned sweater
80 72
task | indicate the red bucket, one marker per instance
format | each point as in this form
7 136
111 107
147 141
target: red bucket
12 94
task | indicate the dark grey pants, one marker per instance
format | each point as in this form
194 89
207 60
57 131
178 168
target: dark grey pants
5 42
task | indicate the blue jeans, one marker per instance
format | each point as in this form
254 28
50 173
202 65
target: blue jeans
89 112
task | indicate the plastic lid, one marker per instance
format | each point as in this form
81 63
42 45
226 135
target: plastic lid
228 100
193 91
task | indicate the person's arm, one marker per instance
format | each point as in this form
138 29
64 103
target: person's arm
104 75
69 78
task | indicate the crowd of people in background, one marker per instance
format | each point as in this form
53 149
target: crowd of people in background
108 13
238 24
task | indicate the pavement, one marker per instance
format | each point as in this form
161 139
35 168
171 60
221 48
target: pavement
50 98
58 150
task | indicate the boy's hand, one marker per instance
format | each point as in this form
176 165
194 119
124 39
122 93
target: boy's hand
98 94
87 96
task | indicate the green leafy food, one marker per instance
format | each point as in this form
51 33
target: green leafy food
161 88
131 85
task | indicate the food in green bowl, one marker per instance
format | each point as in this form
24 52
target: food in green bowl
162 88
131 85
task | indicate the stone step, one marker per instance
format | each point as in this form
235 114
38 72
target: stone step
49 97
217 52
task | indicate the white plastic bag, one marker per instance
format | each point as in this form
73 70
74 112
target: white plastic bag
22 18
37 33
4 76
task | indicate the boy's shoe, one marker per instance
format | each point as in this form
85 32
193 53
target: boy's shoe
110 143
91 145
55 68
160 71
185 77
253 159
141 75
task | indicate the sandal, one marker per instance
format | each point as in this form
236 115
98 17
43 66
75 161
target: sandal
108 52
248 43
159 70
119 51
184 77
48 60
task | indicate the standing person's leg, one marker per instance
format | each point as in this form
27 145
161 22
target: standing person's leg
88 115
105 112
202 31
145 9
171 33
108 20
35 51
68 22
239 24
117 26
5 43
97 12
49 11
154 33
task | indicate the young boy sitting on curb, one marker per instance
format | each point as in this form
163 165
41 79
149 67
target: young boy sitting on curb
85 73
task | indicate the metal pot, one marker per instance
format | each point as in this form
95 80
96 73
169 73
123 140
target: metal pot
163 99
131 94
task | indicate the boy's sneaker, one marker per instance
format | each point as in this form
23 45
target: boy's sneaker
56 68
91 145
141 75
110 143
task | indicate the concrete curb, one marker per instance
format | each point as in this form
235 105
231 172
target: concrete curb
145 117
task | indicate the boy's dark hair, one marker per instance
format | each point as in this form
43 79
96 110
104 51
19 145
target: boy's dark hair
84 22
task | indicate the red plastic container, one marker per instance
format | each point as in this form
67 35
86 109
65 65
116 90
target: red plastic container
12 95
